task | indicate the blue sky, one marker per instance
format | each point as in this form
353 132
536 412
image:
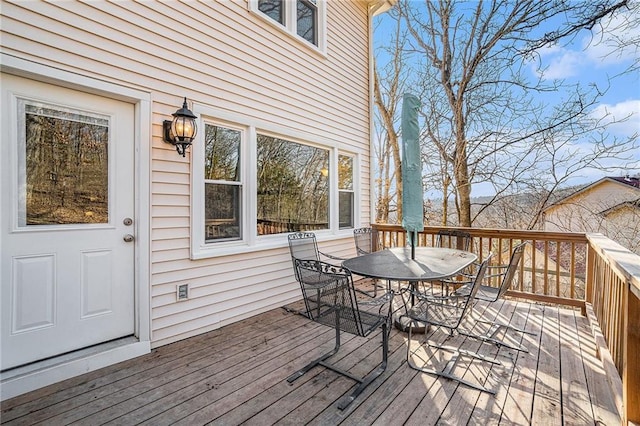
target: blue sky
590 59
587 59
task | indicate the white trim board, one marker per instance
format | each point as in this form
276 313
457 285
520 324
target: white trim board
21 380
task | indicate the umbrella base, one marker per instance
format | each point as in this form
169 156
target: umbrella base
402 322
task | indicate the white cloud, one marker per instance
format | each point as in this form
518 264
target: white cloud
612 42
603 47
624 116
563 64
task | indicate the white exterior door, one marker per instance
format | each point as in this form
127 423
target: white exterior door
67 181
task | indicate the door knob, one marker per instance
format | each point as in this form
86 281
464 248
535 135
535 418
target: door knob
128 238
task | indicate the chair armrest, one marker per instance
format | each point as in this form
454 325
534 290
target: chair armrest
374 301
439 300
494 275
332 257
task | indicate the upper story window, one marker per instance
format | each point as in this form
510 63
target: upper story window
274 9
303 18
307 20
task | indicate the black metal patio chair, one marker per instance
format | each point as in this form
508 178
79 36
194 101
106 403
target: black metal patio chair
304 246
330 299
448 312
363 239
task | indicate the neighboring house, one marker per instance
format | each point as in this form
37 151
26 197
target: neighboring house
113 243
610 206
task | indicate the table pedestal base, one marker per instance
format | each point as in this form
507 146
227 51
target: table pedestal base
402 322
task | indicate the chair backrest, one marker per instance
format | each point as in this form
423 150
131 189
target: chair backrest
363 241
475 286
453 238
330 298
303 245
512 268
452 310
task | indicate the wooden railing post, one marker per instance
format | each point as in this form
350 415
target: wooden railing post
375 240
591 273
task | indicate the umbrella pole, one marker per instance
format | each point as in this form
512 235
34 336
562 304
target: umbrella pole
414 234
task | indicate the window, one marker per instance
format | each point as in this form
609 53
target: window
223 184
274 9
293 186
306 20
64 156
302 18
251 186
345 191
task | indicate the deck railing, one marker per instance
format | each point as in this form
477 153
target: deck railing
553 269
591 272
613 290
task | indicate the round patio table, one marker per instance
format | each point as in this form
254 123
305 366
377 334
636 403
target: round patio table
396 264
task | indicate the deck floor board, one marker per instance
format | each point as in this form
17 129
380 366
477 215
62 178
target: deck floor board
237 375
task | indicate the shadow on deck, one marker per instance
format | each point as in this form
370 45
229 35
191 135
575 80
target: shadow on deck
236 374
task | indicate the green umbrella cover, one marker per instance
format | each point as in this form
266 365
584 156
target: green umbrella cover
412 193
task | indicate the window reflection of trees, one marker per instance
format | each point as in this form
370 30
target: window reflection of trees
345 172
222 153
345 188
272 8
306 20
222 183
66 167
293 186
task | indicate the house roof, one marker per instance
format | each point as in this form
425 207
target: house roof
632 181
628 180
381 6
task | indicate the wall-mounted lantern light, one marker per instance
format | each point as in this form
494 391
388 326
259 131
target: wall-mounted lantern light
181 130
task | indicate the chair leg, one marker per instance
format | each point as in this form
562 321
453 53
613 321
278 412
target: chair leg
318 361
366 381
362 382
490 336
494 329
447 371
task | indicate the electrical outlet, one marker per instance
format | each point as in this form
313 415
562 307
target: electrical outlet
182 292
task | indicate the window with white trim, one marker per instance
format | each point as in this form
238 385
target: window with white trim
250 185
345 191
292 187
222 184
302 18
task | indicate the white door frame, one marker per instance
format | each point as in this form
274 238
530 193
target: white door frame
24 379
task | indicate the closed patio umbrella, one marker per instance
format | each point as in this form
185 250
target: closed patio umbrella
412 193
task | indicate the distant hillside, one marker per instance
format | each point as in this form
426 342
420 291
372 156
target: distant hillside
513 211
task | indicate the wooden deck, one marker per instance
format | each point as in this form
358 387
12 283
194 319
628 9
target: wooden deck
236 375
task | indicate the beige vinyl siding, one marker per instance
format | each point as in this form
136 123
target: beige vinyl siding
581 212
222 56
209 58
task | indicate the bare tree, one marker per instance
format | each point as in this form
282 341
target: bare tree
389 86
487 117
